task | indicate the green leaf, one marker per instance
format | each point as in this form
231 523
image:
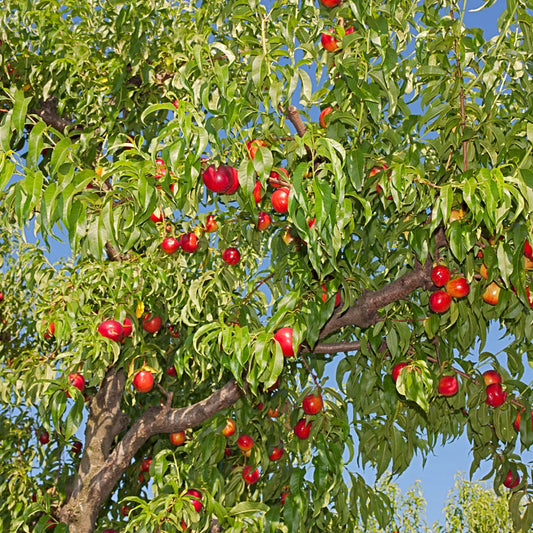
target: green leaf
154 108
249 508
258 71
60 154
415 382
6 131
392 342
225 50
35 144
7 168
20 109
74 417
58 405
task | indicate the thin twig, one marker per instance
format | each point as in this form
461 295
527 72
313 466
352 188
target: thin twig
302 358
461 99
437 351
463 122
257 285
168 396
59 467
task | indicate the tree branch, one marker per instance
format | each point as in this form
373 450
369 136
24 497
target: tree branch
49 114
334 347
294 116
105 422
113 253
215 526
364 311
153 421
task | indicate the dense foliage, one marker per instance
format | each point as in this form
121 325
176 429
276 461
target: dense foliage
112 114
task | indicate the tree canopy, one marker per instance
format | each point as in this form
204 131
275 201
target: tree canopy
229 253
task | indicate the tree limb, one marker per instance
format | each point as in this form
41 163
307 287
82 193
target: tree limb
102 467
294 116
105 422
364 311
334 347
153 421
113 254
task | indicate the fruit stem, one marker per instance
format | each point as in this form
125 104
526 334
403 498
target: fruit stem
264 39
20 457
461 98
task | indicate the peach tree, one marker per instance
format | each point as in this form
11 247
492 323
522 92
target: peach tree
263 203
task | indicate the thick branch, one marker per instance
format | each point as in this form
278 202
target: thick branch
105 422
156 420
335 347
364 311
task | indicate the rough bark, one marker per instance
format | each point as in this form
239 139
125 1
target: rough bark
102 464
364 311
335 347
215 526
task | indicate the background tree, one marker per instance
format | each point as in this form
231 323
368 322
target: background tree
471 506
408 510
120 120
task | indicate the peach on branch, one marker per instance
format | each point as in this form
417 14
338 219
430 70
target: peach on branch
457 287
323 114
283 337
448 386
253 146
